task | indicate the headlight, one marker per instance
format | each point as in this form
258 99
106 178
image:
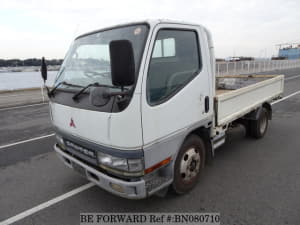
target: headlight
115 163
111 161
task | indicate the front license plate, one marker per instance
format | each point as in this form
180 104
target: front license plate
79 169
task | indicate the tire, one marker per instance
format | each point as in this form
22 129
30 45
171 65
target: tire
189 164
259 127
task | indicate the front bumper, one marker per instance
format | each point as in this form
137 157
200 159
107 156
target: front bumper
131 190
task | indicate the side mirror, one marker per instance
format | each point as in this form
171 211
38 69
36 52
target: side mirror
122 63
44 70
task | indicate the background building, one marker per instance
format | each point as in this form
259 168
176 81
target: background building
289 51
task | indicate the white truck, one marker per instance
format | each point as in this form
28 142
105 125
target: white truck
137 108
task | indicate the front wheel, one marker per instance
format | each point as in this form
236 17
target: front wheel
188 165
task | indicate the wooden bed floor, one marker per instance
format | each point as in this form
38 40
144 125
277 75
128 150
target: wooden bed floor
222 91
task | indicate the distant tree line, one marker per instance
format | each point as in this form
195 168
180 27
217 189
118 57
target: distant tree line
28 62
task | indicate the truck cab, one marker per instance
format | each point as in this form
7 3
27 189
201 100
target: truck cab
133 107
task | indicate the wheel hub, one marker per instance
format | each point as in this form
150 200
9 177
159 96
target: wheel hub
190 165
193 165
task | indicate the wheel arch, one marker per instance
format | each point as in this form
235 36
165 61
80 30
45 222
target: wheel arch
268 107
204 133
254 115
190 138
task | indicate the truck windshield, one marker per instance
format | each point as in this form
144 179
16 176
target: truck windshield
88 60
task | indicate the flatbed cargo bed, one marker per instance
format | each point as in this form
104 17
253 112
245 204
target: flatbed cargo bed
240 94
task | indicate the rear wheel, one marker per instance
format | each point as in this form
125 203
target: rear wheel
258 128
188 165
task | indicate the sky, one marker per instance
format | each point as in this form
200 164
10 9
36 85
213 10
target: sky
36 28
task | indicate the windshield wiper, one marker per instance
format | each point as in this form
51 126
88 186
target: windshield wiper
51 93
75 97
108 94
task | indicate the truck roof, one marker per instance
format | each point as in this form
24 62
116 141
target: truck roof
151 22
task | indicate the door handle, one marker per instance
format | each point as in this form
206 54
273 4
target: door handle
206 104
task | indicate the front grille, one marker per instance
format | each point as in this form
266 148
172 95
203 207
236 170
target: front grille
83 150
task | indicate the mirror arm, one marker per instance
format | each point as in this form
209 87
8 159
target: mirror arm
48 91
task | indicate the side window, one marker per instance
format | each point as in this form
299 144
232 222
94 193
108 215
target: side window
164 48
174 62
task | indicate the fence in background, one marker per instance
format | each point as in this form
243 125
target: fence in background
245 67
222 68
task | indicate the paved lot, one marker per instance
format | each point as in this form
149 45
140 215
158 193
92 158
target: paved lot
250 181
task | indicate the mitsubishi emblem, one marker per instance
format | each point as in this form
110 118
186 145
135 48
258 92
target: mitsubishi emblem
72 124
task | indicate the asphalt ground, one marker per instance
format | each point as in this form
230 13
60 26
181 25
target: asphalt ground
250 182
